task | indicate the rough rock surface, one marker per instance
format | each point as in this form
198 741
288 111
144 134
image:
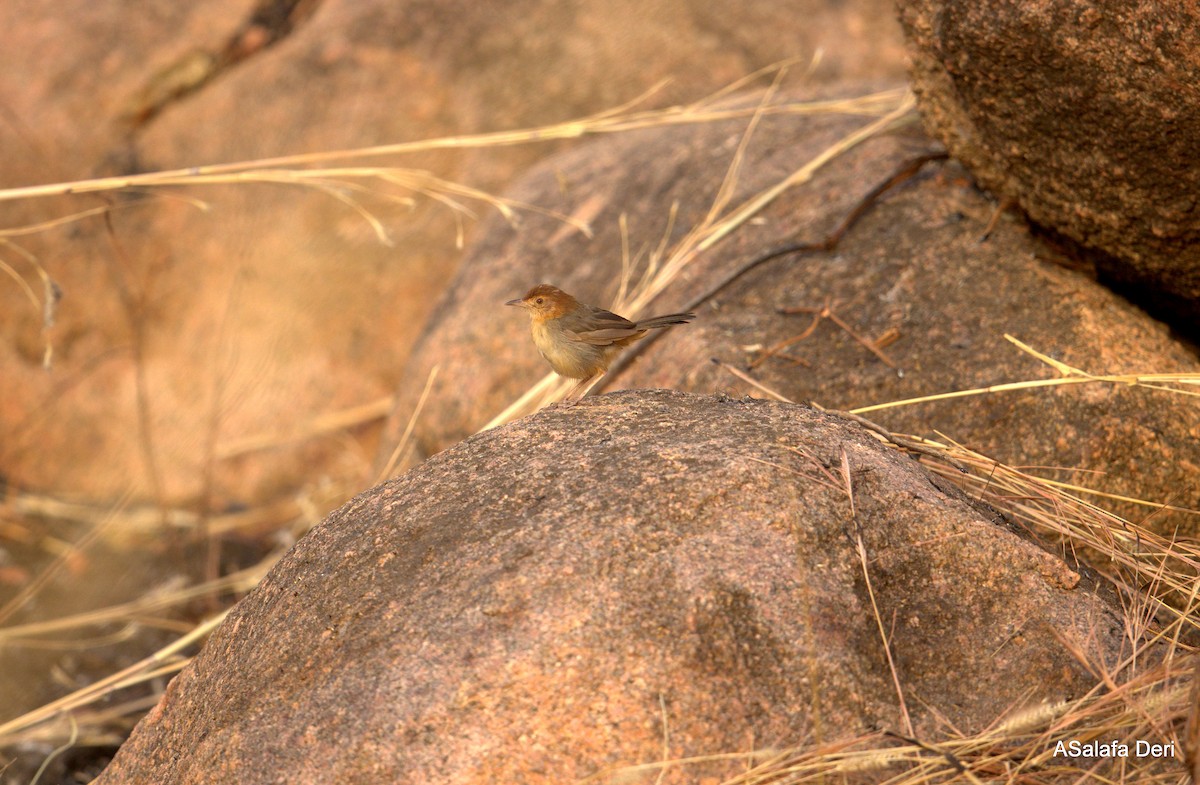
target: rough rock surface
533 604
913 269
1086 113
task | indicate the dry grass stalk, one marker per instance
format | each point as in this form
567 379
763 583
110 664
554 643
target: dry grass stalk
863 561
163 662
322 425
402 446
1177 383
135 611
140 524
1137 558
617 120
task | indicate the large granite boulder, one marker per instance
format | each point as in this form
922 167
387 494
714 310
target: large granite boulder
1086 114
564 596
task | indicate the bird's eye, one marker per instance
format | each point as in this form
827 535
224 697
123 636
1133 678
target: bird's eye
540 300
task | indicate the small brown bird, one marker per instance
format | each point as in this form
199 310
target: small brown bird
578 340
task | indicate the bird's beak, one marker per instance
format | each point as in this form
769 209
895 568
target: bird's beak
517 302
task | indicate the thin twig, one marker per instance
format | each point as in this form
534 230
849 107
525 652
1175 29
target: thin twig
907 171
824 312
777 348
750 380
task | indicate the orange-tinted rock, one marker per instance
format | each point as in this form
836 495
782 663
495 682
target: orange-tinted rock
1086 113
532 604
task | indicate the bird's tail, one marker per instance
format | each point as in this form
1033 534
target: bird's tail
664 321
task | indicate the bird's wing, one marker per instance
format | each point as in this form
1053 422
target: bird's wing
605 327
604 337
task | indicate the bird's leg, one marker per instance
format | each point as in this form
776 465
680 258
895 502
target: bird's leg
581 387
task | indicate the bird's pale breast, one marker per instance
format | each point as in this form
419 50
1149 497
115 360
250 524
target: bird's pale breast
568 358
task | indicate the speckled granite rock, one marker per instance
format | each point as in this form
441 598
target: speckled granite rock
531 605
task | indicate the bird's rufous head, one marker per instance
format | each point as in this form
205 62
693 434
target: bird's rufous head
546 302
